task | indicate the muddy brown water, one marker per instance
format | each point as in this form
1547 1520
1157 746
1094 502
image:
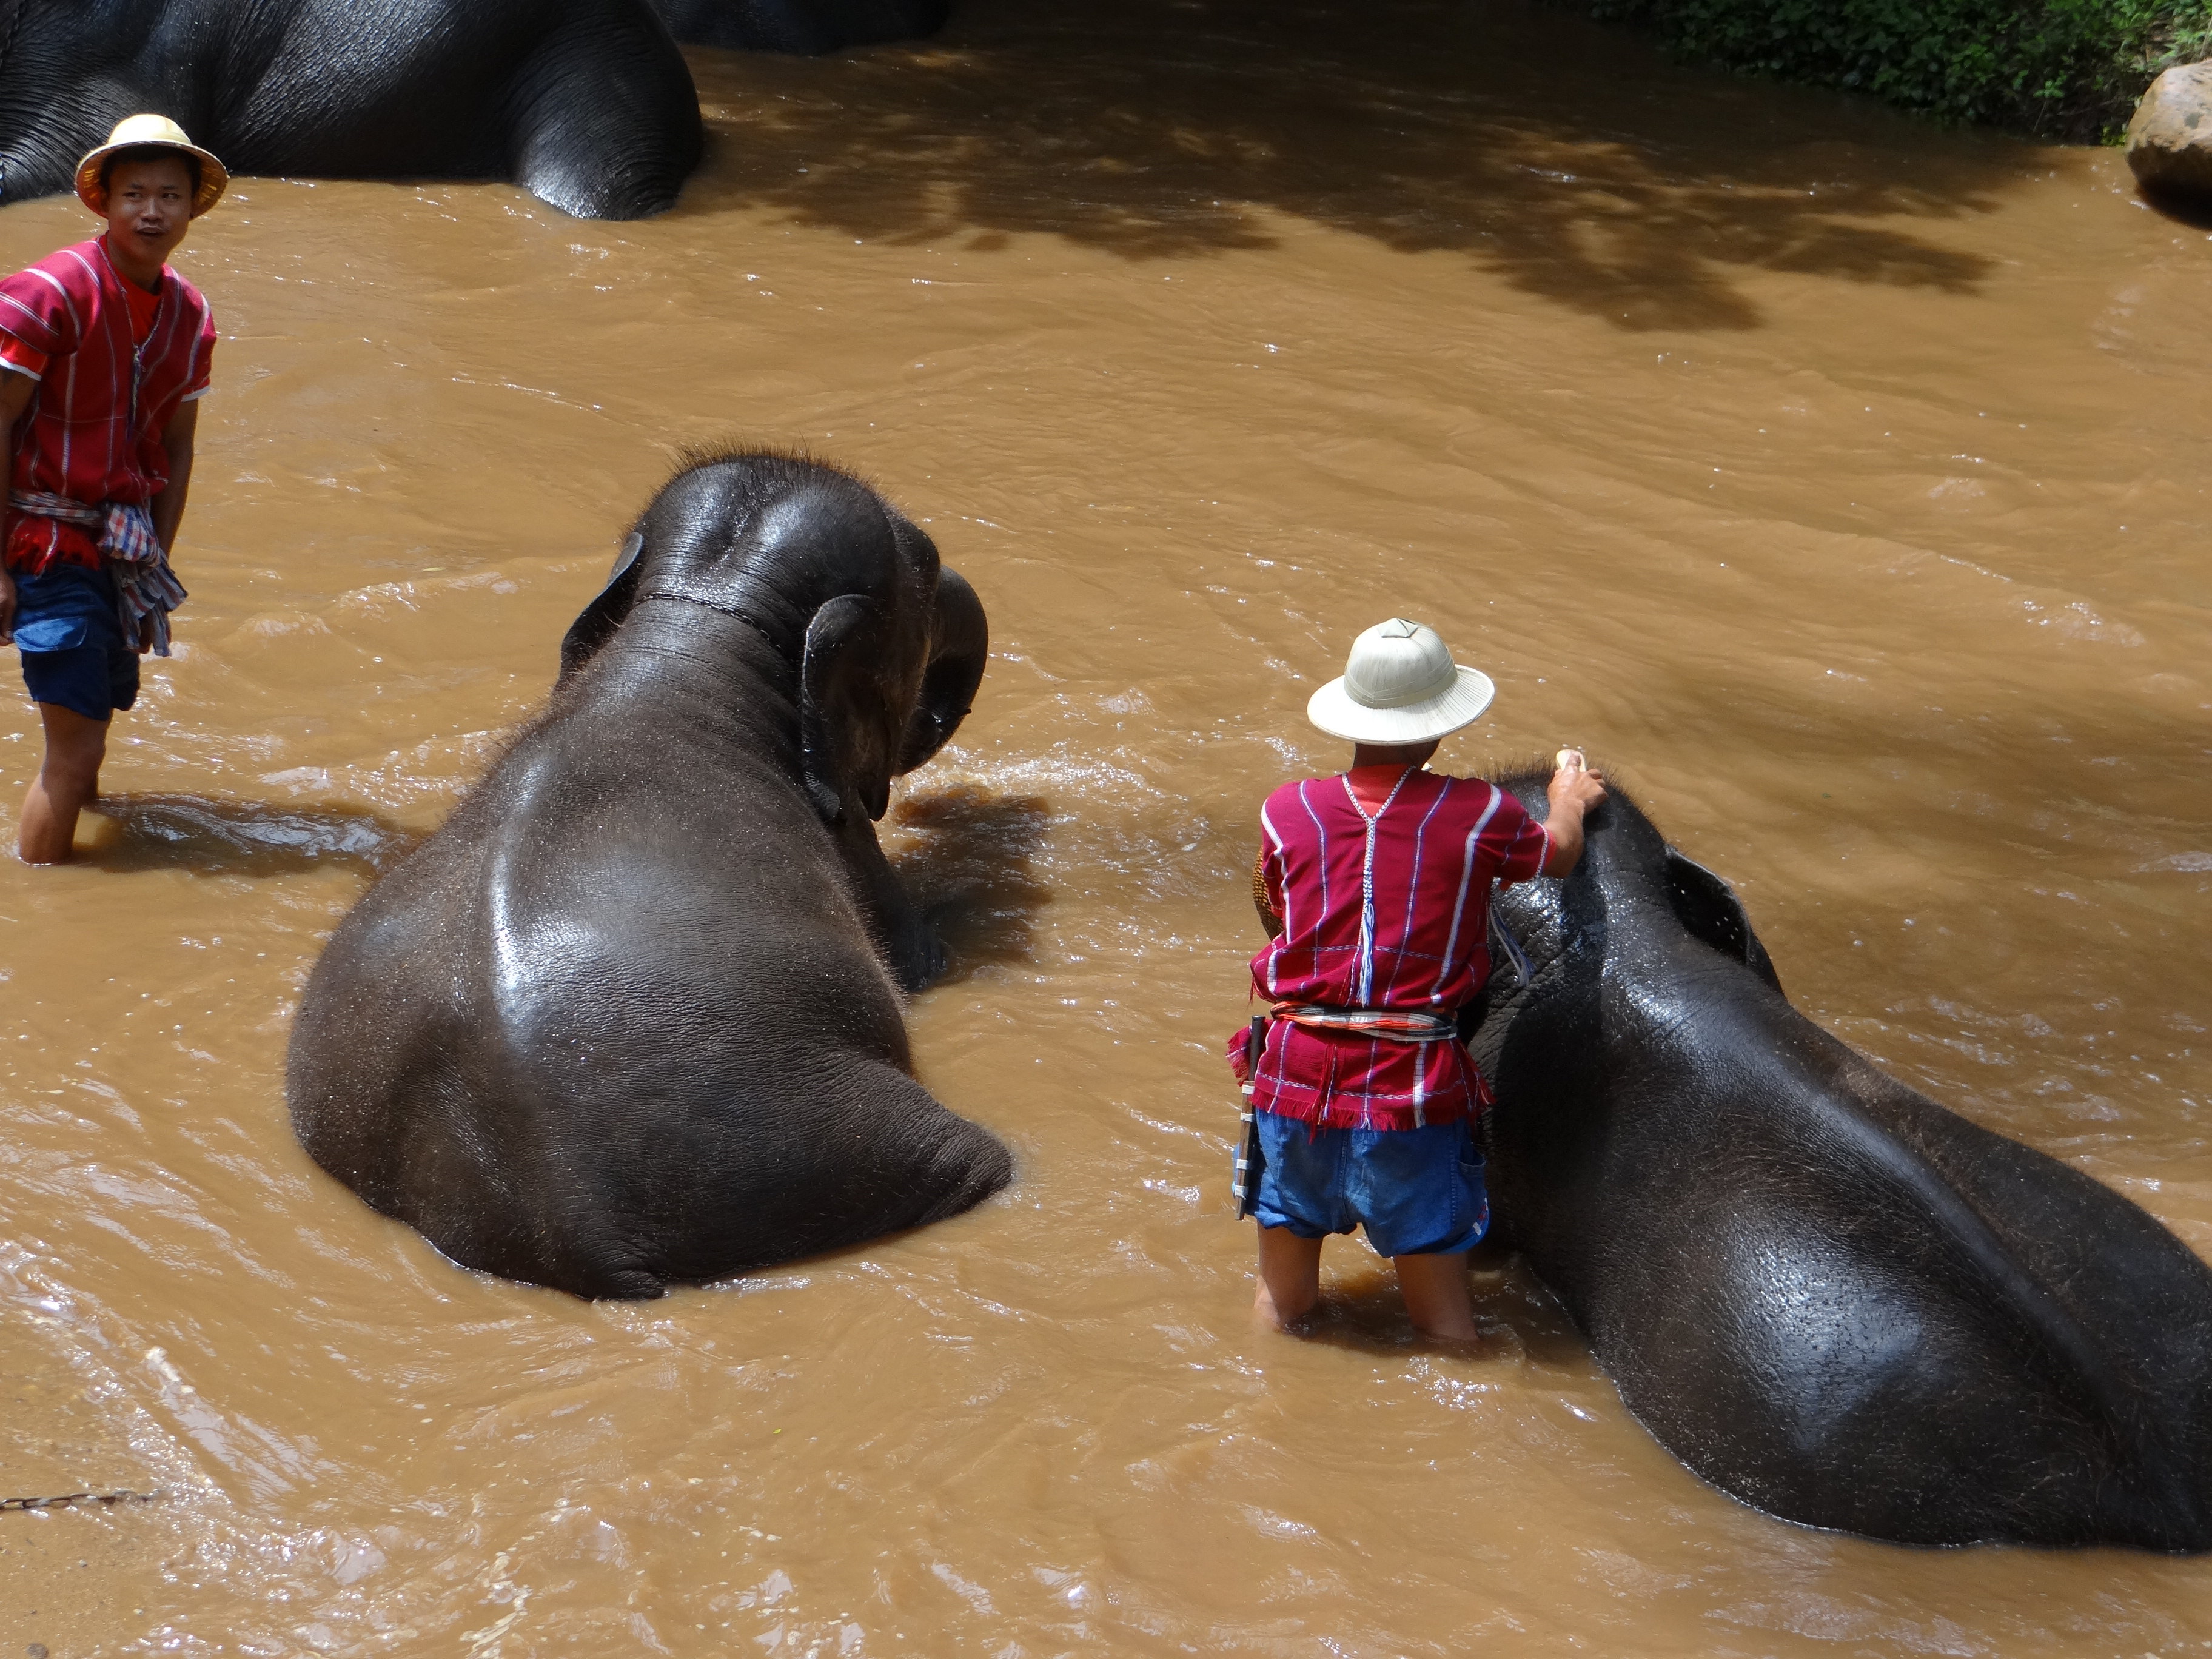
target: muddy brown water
1839 483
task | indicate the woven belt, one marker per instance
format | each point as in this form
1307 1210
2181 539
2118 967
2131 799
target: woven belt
1391 1024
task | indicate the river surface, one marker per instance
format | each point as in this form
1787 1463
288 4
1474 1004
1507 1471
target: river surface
1839 483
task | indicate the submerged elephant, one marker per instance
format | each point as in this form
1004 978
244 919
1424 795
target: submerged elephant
806 27
587 104
1825 1293
632 1016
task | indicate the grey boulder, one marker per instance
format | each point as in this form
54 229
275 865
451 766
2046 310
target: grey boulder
2170 140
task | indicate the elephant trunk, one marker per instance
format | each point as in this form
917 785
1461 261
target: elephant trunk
959 645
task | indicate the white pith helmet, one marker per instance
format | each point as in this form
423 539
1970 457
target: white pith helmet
1400 685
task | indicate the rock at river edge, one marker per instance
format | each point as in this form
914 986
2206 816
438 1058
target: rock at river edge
2170 140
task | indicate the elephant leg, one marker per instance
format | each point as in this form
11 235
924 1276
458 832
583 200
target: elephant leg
910 944
526 1212
903 1160
940 1166
607 129
42 160
569 1243
851 1150
611 1282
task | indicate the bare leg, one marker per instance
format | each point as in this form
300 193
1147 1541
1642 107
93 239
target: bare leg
68 779
1434 1289
1290 1277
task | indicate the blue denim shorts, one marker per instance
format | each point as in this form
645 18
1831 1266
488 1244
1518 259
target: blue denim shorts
72 643
1418 1192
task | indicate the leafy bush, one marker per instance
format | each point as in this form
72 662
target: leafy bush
2059 68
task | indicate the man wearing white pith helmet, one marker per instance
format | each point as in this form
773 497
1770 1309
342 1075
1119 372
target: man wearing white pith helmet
1374 888
104 355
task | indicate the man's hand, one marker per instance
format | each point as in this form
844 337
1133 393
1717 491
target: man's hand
7 608
1575 782
1573 791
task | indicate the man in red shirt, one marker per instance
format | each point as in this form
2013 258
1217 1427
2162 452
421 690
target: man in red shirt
1376 886
104 355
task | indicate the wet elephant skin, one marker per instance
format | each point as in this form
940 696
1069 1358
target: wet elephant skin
586 103
806 27
1827 1295
632 1016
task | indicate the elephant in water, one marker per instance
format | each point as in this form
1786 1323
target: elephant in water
587 104
1825 1293
632 1016
806 27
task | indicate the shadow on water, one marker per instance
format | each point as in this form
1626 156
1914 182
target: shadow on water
1568 158
2193 211
968 856
219 836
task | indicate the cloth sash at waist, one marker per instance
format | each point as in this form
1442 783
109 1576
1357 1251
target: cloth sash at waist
1391 1024
146 589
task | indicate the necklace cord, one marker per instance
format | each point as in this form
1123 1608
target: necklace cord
744 616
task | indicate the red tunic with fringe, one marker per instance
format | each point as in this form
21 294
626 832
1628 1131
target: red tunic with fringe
1384 906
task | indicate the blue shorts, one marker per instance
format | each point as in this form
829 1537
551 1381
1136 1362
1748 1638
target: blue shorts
72 644
1418 1192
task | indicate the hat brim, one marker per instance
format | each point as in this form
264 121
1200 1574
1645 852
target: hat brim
1333 710
215 178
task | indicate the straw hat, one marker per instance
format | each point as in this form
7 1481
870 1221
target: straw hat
1400 685
135 131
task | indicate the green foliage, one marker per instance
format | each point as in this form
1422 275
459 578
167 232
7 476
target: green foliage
2059 68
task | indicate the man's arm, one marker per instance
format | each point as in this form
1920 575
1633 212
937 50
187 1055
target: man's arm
1574 790
169 505
16 391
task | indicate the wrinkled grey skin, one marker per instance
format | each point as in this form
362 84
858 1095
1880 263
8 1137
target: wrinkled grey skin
806 27
1825 1293
632 1016
587 104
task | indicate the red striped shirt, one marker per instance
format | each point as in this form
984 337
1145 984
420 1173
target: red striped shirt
94 430
1387 908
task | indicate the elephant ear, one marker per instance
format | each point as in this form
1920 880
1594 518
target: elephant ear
959 649
604 615
848 728
1708 907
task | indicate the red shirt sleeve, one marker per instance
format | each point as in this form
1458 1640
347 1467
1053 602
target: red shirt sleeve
1524 843
21 357
34 310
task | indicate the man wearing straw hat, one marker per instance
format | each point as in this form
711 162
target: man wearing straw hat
1374 888
104 355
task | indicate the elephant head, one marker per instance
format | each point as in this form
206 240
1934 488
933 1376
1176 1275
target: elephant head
880 648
